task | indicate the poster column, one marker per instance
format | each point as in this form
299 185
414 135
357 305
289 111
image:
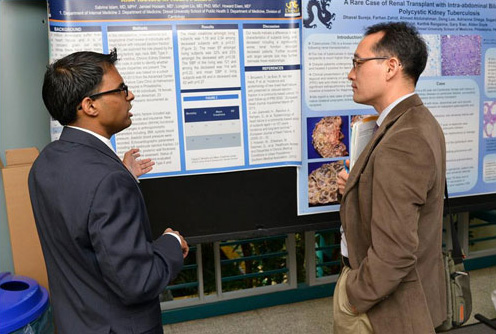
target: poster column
211 95
272 66
146 61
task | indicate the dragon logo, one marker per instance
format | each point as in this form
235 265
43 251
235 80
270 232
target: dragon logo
325 16
292 8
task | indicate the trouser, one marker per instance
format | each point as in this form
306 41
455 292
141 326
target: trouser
345 321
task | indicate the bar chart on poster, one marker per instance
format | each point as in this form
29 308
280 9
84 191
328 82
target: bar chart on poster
246 108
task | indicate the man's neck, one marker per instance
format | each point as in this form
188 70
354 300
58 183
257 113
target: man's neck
104 139
391 98
383 114
90 127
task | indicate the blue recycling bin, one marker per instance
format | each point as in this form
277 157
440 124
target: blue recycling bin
24 306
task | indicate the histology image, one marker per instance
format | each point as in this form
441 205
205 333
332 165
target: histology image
489 119
328 137
433 67
460 55
322 182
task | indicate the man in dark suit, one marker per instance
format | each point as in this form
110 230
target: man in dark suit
392 200
105 272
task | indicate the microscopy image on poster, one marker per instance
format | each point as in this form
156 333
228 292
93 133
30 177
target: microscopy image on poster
329 137
433 67
461 55
489 123
322 183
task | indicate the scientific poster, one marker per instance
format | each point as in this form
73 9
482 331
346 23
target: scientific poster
228 85
458 86
217 83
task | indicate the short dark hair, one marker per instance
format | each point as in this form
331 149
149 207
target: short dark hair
402 40
70 79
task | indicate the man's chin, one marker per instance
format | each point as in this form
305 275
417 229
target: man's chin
128 124
357 99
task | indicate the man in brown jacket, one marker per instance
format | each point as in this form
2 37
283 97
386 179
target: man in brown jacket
392 200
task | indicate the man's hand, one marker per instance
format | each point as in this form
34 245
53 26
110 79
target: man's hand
343 178
184 244
136 166
353 309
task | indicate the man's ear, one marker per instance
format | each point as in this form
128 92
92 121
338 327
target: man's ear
393 67
88 107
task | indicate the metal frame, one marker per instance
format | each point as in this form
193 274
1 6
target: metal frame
310 256
464 234
169 305
220 295
311 268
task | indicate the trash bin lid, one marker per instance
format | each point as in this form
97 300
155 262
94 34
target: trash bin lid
22 300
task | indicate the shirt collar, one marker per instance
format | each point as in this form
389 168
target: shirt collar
105 140
390 107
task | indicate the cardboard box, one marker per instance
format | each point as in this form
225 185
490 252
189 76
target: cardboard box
26 249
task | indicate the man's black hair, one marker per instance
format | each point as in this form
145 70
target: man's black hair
72 78
403 41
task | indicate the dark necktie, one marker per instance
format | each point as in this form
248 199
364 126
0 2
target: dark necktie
376 127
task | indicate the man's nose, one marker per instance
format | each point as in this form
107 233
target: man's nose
351 74
130 96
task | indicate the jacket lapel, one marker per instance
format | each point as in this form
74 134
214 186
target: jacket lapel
391 118
83 138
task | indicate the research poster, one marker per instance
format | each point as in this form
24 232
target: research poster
231 85
217 83
458 86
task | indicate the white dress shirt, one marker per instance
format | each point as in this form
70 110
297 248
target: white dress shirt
382 116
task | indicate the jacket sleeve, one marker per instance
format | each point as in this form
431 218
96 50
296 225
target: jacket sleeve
134 267
403 173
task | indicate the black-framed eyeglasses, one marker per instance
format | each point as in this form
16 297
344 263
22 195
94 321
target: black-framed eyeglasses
359 61
122 88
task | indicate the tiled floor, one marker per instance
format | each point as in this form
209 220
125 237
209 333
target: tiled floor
314 316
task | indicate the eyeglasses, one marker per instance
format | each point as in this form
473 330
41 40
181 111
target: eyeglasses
122 88
359 61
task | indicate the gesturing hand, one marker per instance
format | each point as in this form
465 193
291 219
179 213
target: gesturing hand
136 166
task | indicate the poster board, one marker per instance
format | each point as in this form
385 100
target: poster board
272 70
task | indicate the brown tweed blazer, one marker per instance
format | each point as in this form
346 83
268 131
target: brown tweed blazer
391 212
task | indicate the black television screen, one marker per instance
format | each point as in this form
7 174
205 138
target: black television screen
246 204
230 205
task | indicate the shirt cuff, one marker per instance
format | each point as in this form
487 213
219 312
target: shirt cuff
175 236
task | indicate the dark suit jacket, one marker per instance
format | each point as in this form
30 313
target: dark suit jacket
105 272
391 212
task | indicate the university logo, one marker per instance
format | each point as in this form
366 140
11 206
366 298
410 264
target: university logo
325 16
292 9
